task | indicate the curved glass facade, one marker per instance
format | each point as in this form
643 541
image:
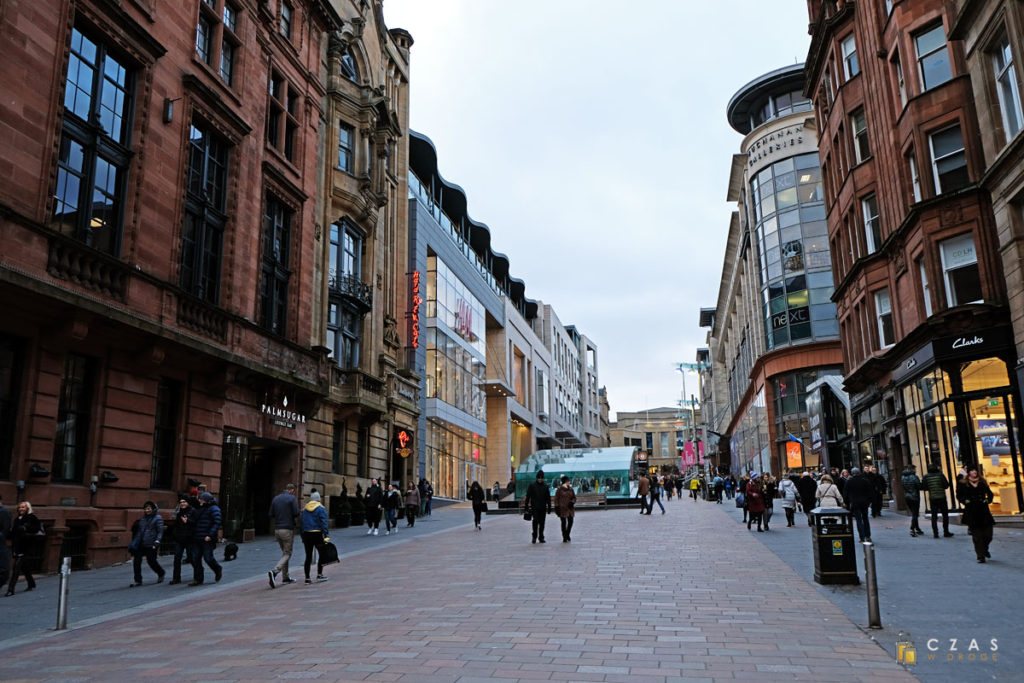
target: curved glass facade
787 204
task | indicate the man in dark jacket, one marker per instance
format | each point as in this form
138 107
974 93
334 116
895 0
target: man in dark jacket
858 494
374 507
204 540
183 531
147 542
538 501
935 483
284 509
808 490
881 486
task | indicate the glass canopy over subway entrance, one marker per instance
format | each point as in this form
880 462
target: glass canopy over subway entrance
592 470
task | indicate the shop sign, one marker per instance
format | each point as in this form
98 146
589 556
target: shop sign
767 146
406 392
403 443
415 312
916 363
794 454
281 416
977 344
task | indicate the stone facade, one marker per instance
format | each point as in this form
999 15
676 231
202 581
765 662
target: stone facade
159 226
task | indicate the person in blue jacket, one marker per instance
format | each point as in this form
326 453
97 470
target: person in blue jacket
146 543
314 534
204 539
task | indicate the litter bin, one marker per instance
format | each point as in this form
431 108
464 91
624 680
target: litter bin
835 558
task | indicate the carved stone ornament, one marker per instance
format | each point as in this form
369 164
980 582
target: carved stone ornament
391 332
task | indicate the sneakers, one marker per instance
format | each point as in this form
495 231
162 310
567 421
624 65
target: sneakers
272 577
308 581
320 578
287 581
376 532
369 531
387 533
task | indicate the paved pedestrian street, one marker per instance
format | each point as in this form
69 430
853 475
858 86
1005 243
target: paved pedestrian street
683 596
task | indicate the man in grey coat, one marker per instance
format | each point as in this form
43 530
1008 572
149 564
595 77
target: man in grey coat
284 510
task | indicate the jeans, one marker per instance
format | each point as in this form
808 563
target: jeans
538 526
391 518
655 499
940 505
860 516
914 505
567 527
285 540
203 551
180 549
311 540
150 554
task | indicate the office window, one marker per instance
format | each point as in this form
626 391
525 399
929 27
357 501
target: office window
70 443
205 217
850 65
960 270
165 433
346 137
859 125
872 225
949 161
1006 87
932 57
883 312
926 289
276 270
915 177
286 20
94 146
217 40
282 116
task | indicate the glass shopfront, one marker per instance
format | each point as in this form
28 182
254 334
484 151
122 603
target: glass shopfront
963 413
453 456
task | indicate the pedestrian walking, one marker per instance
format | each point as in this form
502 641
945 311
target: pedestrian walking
392 504
881 486
808 490
719 486
741 496
827 494
26 534
182 533
912 497
495 491
565 507
694 488
146 543
643 489
284 509
755 502
771 490
412 504
788 493
538 501
204 540
975 495
5 533
476 495
656 489
374 502
679 487
935 483
313 526
859 493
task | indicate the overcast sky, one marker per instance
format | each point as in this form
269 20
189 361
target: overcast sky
591 137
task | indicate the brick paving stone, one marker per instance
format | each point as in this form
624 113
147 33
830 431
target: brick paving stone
506 610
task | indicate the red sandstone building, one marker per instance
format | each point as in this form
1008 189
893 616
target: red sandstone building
922 301
158 222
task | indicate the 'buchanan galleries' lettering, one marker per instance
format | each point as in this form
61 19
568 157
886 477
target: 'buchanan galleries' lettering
774 142
274 411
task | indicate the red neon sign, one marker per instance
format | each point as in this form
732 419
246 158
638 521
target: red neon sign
416 301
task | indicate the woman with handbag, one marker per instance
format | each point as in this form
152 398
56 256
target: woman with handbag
314 535
788 493
975 495
476 495
26 530
827 494
565 507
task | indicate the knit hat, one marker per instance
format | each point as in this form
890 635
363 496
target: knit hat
315 496
206 497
